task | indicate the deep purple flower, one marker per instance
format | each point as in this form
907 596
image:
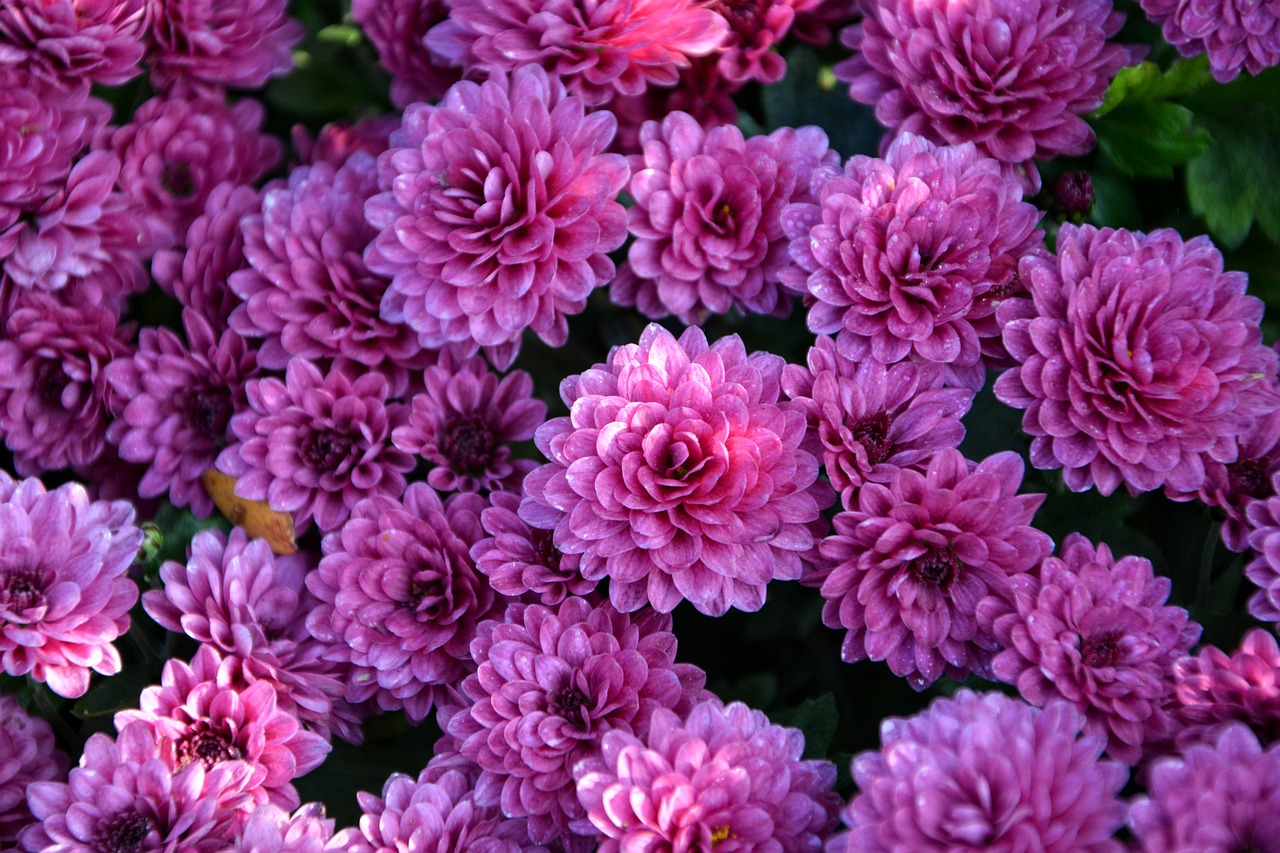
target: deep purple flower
28 754
314 445
985 772
1219 796
707 217
463 422
1012 77
724 778
270 829
54 398
499 213
1097 632
550 684
396 29
1212 689
871 419
912 561
1139 359
520 560
239 44
1236 34
74 41
400 598
679 474
898 253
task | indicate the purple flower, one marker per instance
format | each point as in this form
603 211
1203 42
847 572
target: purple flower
755 26
521 560
898 253
1213 689
54 398
338 141
396 29
239 44
1263 569
74 41
871 419
679 474
1095 631
463 421
985 772
1219 796
550 684
724 774
1236 34
400 598
314 445
178 400
1012 77
911 563
500 211
1139 359
707 217
28 754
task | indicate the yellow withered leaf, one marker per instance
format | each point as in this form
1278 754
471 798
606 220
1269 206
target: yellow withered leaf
258 519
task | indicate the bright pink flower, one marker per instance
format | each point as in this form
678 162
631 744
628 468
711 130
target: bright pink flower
520 560
1213 689
755 27
396 28
240 44
1238 35
28 754
270 829
74 41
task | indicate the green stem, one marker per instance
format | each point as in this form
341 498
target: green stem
40 693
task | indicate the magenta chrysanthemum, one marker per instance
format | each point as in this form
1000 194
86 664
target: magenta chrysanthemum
898 253
397 29
911 563
519 559
239 44
1012 77
724 778
1263 518
707 217
28 754
755 27
270 829
400 598
679 474
1213 689
499 213
870 419
598 49
985 772
74 41
1095 631
464 421
550 684
1238 35
314 445
1219 796
1139 358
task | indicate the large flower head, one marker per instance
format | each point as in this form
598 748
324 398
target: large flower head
74 41
1139 358
1213 689
1238 35
522 560
28 753
397 29
898 253
985 772
239 44
1097 632
550 684
499 213
912 561
1012 77
679 474
723 778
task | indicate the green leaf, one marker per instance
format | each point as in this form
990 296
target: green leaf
1146 82
1148 138
818 719
116 693
810 95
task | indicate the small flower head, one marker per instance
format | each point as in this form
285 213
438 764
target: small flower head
220 44
28 754
396 29
1213 689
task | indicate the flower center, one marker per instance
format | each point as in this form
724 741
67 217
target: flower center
124 833
720 833
568 702
468 444
177 180
210 411
427 593
744 16
872 432
21 593
937 568
1101 651
51 381
203 744
1247 478
544 551
323 451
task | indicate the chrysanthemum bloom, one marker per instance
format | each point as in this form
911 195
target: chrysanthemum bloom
702 92
337 141
870 419
396 29
911 563
123 797
53 387
550 684
1263 519
239 44
1219 796
708 217
1139 358
1012 77
307 292
74 41
985 772
178 400
251 606
724 778
1095 631
755 28
270 829
28 753
1236 34
597 49
196 720
679 474
1212 689
500 212
401 597
463 422
314 445
519 559
898 253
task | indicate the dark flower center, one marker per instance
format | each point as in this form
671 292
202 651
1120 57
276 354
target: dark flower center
427 593
745 16
468 444
1247 478
872 432
323 451
124 833
177 180
936 568
51 380
544 551
20 593
210 411
568 702
203 744
999 292
1101 651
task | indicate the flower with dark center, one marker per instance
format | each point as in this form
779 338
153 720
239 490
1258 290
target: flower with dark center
938 567
123 833
520 559
22 598
209 410
202 744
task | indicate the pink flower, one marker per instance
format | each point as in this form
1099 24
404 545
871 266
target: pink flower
1212 689
74 41
396 28
1236 34
270 829
1263 568
28 754
755 26
679 474
240 44
521 560
702 91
